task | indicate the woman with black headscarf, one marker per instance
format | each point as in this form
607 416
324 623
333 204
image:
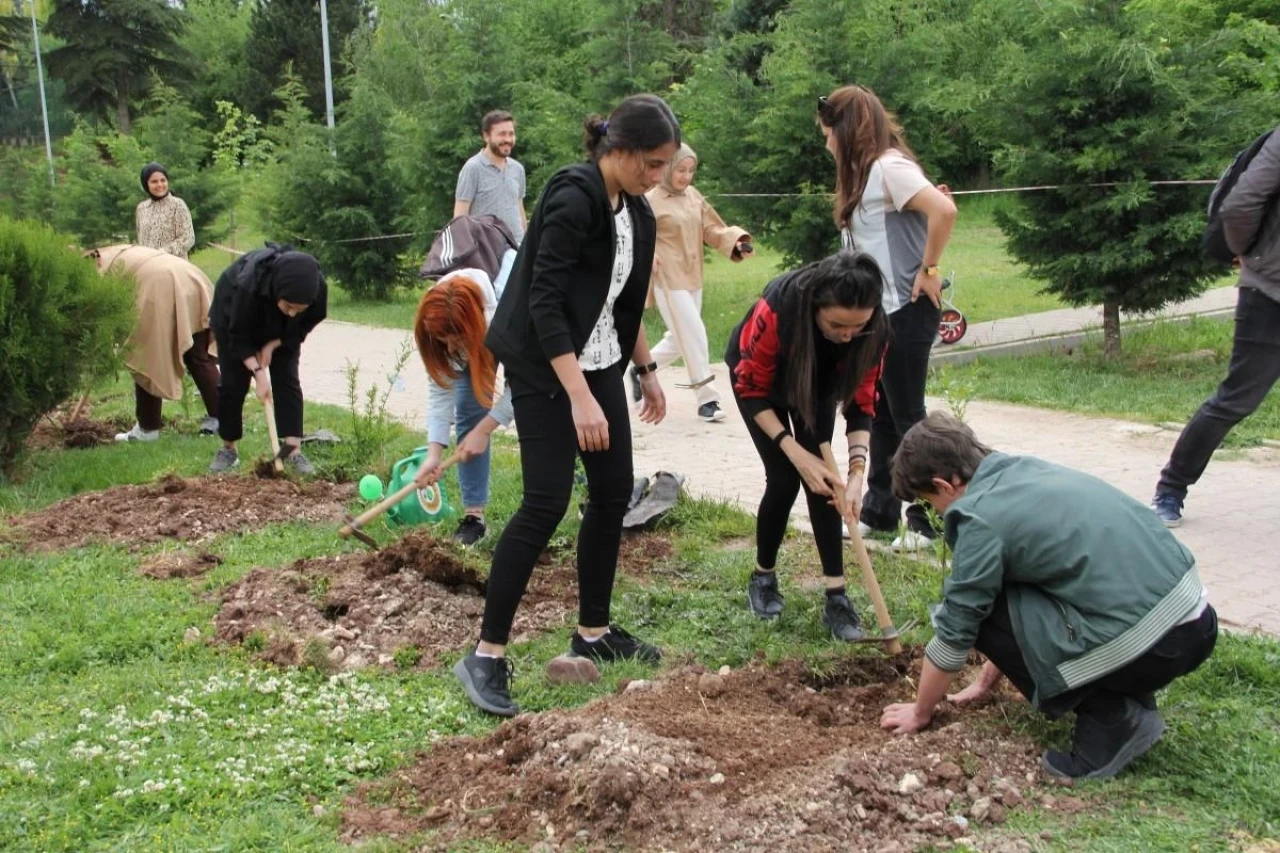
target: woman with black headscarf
163 220
264 306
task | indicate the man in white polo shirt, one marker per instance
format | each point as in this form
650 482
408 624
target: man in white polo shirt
492 181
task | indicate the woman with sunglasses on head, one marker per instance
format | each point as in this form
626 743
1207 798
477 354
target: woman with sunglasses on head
811 346
568 323
886 207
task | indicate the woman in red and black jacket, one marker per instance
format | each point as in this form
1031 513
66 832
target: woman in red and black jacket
812 344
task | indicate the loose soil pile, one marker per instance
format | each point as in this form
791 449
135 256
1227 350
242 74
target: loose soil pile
755 759
81 432
171 565
193 510
356 610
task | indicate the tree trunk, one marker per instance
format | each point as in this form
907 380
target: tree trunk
122 106
1111 329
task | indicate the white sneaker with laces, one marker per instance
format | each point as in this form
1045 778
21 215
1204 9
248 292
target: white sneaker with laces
138 434
912 541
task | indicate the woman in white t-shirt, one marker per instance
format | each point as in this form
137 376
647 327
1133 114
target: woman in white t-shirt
886 207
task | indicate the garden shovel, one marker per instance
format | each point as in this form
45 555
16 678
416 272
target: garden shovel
888 633
354 524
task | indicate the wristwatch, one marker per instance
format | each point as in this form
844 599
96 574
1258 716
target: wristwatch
641 370
932 269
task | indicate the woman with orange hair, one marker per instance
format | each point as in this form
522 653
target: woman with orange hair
450 326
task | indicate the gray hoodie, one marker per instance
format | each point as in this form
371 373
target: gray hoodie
1251 220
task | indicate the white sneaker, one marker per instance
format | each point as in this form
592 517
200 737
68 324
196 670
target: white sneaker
138 434
912 541
864 530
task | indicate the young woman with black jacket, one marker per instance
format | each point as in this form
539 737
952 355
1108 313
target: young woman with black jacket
566 326
811 345
264 306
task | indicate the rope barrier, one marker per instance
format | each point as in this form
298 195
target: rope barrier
991 191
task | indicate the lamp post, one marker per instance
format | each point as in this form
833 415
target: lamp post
44 107
328 74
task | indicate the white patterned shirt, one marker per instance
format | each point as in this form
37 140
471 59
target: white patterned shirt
602 349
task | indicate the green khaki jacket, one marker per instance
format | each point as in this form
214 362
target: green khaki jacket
1093 578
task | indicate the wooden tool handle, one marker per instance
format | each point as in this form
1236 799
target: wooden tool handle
388 502
270 409
892 645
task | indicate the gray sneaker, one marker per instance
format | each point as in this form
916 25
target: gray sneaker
224 460
208 425
301 464
138 434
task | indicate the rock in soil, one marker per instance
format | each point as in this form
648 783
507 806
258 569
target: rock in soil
772 764
192 510
569 668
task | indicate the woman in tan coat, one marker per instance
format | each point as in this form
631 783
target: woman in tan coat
685 222
173 298
163 220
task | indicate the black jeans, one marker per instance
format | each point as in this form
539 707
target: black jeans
899 407
203 368
1178 652
286 393
782 483
548 446
1255 367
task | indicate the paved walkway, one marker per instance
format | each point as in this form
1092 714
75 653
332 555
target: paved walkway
1064 321
1233 522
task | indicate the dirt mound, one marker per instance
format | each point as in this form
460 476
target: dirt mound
179 565
414 600
192 510
744 761
79 433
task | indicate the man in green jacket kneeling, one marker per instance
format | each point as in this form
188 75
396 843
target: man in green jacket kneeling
1069 587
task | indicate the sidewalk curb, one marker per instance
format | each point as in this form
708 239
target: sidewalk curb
1054 343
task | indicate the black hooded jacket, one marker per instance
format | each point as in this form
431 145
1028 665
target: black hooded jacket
561 278
244 315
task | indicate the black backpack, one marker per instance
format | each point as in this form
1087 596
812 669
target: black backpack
1215 239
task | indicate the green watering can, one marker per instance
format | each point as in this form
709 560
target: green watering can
421 505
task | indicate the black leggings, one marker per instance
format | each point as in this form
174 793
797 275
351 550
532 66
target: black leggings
1182 649
899 407
548 445
286 394
782 483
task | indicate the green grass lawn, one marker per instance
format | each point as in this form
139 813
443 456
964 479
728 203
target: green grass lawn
1166 371
117 734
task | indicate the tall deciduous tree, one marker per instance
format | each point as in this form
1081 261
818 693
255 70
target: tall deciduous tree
113 49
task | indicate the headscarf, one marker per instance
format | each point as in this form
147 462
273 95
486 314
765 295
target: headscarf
685 153
295 277
149 170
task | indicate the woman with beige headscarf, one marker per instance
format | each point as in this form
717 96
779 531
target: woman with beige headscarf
173 297
685 222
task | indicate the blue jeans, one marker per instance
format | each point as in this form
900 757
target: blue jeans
473 475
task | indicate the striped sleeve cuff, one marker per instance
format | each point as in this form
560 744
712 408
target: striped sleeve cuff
946 657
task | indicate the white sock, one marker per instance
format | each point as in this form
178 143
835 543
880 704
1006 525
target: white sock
594 639
481 654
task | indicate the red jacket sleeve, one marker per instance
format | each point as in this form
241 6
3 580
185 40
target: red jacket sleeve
759 345
858 414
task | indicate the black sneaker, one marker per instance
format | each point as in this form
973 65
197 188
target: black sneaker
1168 508
762 595
488 683
1101 748
616 644
470 530
711 412
841 619
636 394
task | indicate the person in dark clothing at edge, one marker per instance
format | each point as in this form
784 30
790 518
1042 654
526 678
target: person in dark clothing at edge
1251 224
810 345
1091 607
567 323
264 306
